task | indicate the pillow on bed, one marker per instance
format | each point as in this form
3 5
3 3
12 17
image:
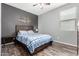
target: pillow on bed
30 32
22 32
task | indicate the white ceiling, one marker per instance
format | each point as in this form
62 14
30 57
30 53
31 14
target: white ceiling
35 10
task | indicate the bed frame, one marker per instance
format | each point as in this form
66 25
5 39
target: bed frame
25 27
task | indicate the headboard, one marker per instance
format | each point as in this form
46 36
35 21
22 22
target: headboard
23 27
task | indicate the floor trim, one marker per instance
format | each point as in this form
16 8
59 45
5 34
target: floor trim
54 41
8 43
66 43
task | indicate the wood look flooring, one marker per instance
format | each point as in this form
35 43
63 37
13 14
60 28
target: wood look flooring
56 49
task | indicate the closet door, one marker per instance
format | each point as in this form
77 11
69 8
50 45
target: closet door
68 23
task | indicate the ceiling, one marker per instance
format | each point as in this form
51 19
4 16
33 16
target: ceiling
35 9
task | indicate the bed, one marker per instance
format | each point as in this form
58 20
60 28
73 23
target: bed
33 42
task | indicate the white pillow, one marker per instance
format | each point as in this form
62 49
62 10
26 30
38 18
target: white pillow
30 32
22 32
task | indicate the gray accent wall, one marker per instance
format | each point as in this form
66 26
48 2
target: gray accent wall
49 23
11 17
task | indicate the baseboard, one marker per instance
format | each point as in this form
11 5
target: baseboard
8 43
54 41
66 43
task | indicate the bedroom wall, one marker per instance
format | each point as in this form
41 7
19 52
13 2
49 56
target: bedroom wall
11 17
48 23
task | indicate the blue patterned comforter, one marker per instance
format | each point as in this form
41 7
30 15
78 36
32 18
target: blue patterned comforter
32 41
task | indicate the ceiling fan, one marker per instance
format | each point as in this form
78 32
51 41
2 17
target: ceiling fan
41 5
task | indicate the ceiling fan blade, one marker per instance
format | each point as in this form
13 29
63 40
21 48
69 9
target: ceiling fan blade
47 3
35 4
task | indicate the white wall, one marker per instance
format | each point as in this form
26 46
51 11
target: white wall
48 23
0 28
